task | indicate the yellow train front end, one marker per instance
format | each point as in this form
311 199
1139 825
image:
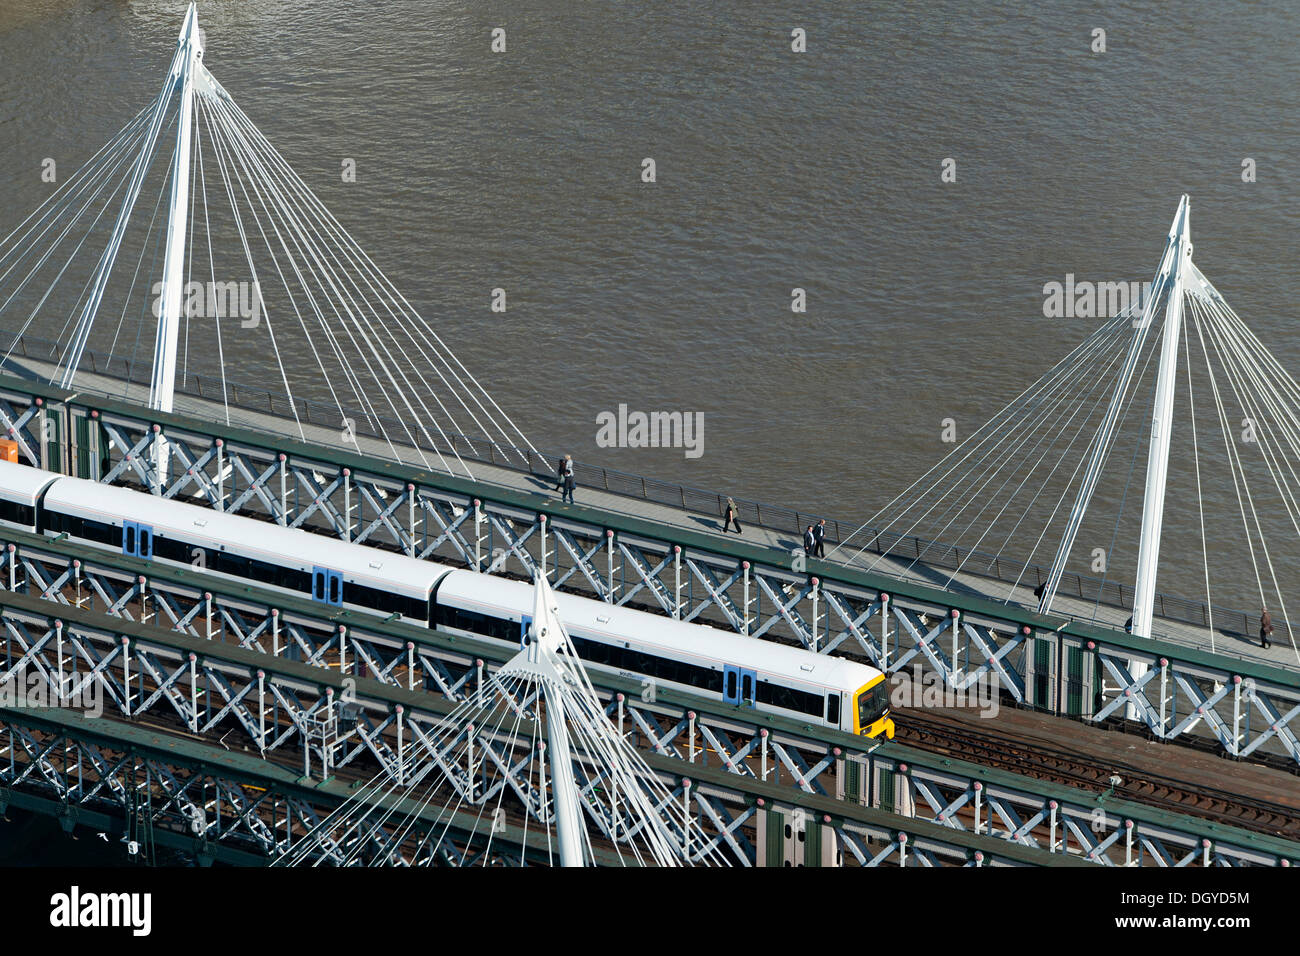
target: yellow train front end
871 710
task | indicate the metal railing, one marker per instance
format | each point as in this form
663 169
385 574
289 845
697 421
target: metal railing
932 554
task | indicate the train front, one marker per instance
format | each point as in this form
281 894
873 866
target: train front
872 712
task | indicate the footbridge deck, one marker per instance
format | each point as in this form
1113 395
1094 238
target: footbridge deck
683 569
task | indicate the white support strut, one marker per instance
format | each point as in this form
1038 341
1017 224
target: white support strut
545 638
162 386
1153 502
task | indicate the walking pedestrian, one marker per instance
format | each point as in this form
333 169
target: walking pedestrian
559 473
809 541
1265 628
819 539
567 479
730 518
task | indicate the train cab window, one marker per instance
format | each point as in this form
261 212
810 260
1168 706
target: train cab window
833 709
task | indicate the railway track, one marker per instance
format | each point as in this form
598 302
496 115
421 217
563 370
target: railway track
1046 760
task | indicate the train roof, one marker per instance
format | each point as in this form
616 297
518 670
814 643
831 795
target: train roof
23 482
701 640
249 537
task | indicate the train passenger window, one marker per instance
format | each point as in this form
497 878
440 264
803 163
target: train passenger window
128 538
91 530
788 698
170 549
17 513
833 709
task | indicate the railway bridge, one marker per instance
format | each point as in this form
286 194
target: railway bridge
241 724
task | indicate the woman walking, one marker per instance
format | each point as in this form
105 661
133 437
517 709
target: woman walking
730 518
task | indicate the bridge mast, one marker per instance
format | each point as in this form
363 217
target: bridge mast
162 386
1153 503
545 637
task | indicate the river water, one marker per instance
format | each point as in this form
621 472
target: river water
775 171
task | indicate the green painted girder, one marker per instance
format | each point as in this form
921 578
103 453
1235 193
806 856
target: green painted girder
423 702
540 503
237 768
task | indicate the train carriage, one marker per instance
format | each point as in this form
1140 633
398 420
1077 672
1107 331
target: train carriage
291 560
698 658
831 691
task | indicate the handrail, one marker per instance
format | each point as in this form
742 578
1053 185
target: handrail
684 497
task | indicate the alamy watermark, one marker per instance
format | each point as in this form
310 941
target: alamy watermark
77 908
633 429
217 300
930 690
21 689
1084 299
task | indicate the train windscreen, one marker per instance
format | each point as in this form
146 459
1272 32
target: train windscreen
873 704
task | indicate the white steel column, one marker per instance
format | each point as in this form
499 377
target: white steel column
568 826
163 383
545 637
1153 503
1101 446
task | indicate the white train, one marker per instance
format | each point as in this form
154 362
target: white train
694 657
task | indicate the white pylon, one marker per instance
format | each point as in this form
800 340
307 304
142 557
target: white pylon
1162 425
637 802
545 638
1153 502
162 385
1170 277
181 75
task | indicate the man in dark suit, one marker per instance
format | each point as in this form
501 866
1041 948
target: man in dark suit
819 539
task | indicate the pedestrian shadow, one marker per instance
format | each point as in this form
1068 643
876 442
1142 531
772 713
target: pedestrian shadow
1236 637
712 524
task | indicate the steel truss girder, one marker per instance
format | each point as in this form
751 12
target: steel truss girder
767 600
689 736
1172 698
270 713
197 804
